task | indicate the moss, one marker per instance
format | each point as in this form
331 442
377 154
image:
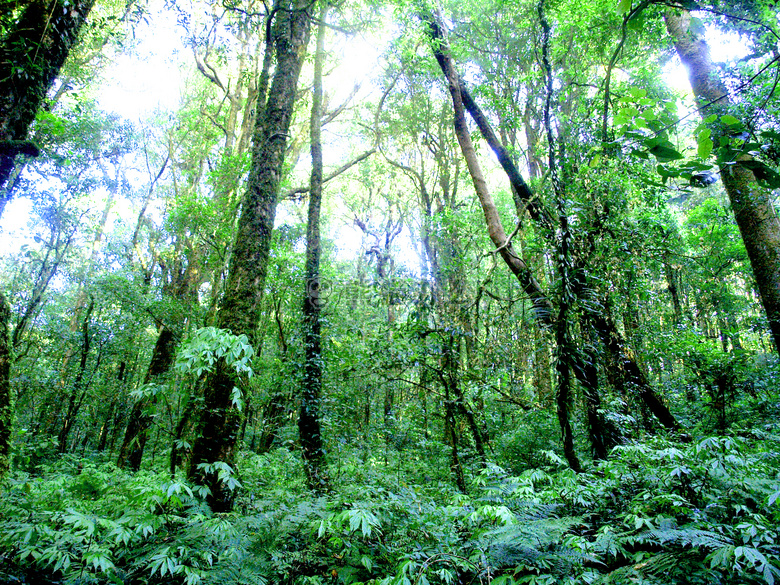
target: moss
6 394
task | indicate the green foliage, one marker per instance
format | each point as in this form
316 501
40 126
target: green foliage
207 345
656 511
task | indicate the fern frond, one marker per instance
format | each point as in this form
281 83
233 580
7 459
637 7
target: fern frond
684 537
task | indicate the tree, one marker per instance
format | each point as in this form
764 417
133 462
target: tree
6 395
751 202
239 311
309 418
31 55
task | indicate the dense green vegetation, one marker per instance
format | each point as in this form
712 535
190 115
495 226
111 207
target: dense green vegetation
506 312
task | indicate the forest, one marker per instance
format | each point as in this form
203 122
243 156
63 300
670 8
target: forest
411 292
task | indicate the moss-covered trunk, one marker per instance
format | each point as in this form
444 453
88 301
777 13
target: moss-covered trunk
132 451
6 397
220 419
309 427
624 373
31 55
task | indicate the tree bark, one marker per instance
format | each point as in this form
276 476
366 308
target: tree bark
6 394
450 380
31 56
309 429
603 435
624 373
220 420
132 450
757 221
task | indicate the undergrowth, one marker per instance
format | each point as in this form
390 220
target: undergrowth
657 512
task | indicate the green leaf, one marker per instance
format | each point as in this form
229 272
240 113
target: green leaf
367 562
729 120
623 6
704 148
665 153
763 173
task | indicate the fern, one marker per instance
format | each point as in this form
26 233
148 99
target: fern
684 537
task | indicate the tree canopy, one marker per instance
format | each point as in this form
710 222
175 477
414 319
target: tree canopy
397 293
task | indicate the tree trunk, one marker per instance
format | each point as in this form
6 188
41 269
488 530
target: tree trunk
603 436
132 450
309 428
672 284
103 432
182 288
542 306
625 375
74 400
6 395
451 435
757 221
31 56
565 351
220 421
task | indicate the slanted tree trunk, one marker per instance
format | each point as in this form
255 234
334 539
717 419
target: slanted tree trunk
182 287
132 450
624 373
6 395
449 378
220 420
757 221
309 428
31 55
542 306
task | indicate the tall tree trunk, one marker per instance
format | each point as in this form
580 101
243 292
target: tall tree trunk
31 55
450 381
220 420
104 428
6 396
757 221
309 427
566 351
603 436
672 284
